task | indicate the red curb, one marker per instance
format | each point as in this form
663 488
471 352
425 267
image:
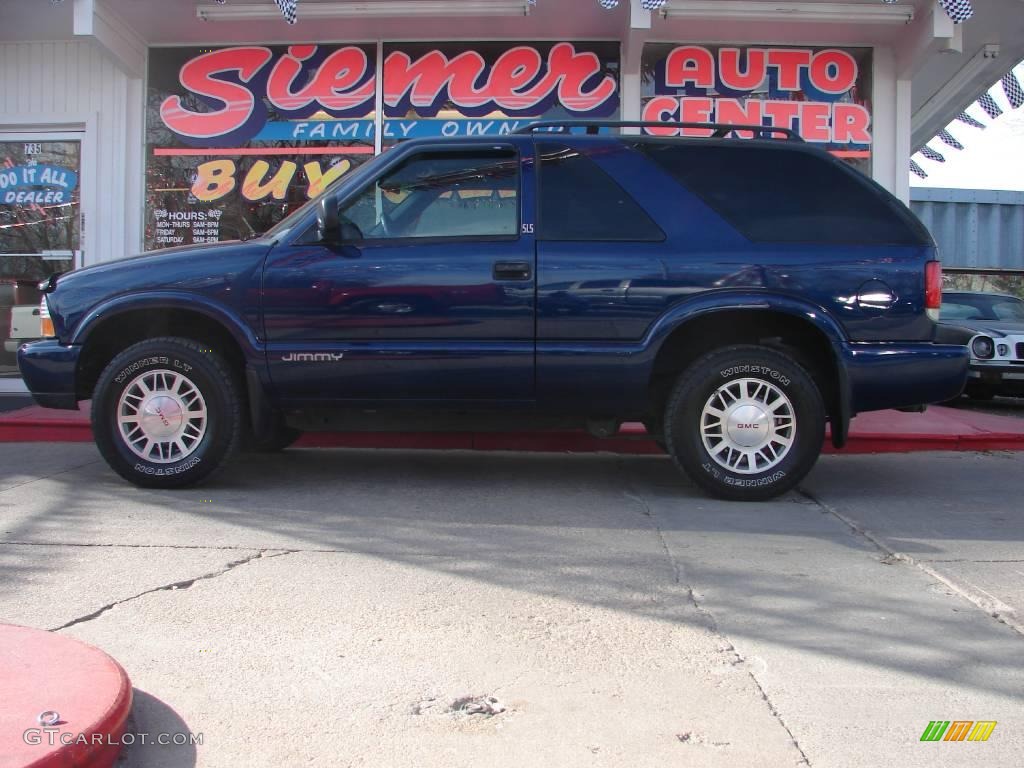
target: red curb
86 687
939 429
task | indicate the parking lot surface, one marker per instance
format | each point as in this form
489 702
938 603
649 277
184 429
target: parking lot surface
340 607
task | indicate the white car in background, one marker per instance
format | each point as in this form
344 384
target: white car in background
992 327
24 326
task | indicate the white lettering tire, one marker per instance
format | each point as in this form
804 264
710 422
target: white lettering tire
745 423
166 413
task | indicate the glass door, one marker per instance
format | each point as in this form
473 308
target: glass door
40 226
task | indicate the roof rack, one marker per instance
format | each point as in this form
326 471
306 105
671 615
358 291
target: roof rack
721 130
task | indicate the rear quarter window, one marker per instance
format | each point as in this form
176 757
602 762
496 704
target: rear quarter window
778 194
580 202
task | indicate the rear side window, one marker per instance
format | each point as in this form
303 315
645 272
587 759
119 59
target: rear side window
579 201
779 195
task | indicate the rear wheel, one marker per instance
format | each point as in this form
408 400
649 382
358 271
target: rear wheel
166 413
745 423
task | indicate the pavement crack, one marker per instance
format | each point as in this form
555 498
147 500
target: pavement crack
992 607
22 484
176 585
708 618
677 575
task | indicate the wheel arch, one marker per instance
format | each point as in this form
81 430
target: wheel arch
115 325
802 330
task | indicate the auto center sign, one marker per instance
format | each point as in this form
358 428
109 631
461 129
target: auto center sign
821 93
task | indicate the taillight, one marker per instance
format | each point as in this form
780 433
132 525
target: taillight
45 321
933 288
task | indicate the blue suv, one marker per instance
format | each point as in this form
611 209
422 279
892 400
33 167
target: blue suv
734 293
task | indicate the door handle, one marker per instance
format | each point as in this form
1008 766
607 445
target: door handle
512 270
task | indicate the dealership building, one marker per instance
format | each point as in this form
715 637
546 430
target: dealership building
129 125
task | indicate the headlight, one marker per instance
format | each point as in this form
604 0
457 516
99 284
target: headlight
982 347
45 321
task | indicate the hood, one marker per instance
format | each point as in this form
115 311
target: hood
226 272
994 328
163 258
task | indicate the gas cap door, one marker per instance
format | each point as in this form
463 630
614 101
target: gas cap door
875 296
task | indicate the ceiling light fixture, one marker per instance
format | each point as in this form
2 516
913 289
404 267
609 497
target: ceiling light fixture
380 9
760 10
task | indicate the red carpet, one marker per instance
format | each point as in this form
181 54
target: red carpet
938 429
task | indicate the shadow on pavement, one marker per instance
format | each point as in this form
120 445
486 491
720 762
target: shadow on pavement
588 529
159 722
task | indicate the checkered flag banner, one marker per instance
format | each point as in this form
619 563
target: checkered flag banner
957 10
288 8
652 5
608 4
931 154
963 117
949 139
917 170
987 103
1011 87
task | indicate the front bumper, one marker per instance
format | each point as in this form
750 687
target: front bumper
997 377
48 369
903 375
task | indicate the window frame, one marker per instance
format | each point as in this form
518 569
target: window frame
436 149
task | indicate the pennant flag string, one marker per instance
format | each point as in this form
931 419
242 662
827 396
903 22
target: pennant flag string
957 10
987 103
288 9
917 170
949 139
1011 87
931 154
963 117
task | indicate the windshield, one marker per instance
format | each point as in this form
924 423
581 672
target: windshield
284 226
967 306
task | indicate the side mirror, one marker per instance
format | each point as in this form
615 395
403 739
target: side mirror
328 225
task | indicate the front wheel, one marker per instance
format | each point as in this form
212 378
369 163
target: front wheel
166 413
745 423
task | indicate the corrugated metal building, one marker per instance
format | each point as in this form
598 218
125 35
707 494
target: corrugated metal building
979 229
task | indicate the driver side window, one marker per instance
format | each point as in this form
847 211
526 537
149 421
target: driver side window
440 194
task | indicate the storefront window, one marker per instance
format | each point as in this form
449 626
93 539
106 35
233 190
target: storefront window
40 227
39 207
237 138
824 94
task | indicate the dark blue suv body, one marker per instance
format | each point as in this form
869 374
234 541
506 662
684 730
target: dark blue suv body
731 294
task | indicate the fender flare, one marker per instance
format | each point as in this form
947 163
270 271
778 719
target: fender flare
751 300
760 300
182 300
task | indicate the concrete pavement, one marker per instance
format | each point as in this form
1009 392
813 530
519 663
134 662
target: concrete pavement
334 607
